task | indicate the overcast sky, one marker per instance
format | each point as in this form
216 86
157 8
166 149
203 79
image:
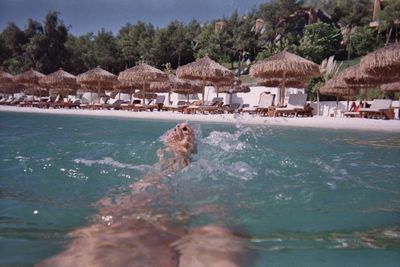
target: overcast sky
92 15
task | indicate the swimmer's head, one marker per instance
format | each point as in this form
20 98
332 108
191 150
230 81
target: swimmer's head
181 140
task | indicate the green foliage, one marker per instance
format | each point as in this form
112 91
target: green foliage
319 41
390 12
365 40
207 43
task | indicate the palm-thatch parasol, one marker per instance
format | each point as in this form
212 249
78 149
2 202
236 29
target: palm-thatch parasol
235 82
96 78
391 87
206 71
7 84
185 87
282 66
147 95
61 82
383 62
338 87
30 79
273 82
236 88
142 74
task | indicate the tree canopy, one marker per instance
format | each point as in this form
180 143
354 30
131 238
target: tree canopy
48 46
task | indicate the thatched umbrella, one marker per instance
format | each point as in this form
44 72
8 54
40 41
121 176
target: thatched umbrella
185 87
123 87
338 87
142 74
282 66
61 82
36 91
383 62
273 82
7 84
356 76
391 87
206 71
227 83
30 79
147 95
96 78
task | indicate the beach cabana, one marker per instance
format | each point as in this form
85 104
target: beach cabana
284 66
205 70
142 74
60 82
96 79
383 62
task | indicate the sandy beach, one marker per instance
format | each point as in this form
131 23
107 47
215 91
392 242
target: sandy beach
313 122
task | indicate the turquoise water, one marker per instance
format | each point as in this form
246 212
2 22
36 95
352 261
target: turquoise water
300 197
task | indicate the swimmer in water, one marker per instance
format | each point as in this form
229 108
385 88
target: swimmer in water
129 231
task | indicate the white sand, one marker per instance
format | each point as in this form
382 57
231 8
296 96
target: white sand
314 122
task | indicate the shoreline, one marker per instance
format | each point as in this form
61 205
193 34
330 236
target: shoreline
246 119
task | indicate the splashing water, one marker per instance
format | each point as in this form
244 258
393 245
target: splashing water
317 197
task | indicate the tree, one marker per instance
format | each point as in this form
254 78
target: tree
388 16
55 54
365 40
135 42
207 44
320 40
82 53
105 51
14 40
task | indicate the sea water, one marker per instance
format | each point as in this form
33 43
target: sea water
299 197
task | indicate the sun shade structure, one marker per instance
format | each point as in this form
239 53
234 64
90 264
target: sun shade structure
384 62
206 71
7 84
30 77
338 87
147 95
30 80
283 66
96 79
272 82
391 87
60 82
357 76
143 74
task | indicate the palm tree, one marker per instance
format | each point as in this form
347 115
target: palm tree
328 68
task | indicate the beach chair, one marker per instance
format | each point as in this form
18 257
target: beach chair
380 109
115 105
265 105
158 104
215 106
232 108
295 105
179 107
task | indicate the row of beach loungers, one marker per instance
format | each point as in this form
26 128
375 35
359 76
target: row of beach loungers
296 106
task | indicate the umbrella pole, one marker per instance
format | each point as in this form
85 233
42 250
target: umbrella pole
203 91
348 98
337 104
143 92
282 90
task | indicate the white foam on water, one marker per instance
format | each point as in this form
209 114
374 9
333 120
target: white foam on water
111 162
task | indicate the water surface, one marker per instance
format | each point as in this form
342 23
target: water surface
300 197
